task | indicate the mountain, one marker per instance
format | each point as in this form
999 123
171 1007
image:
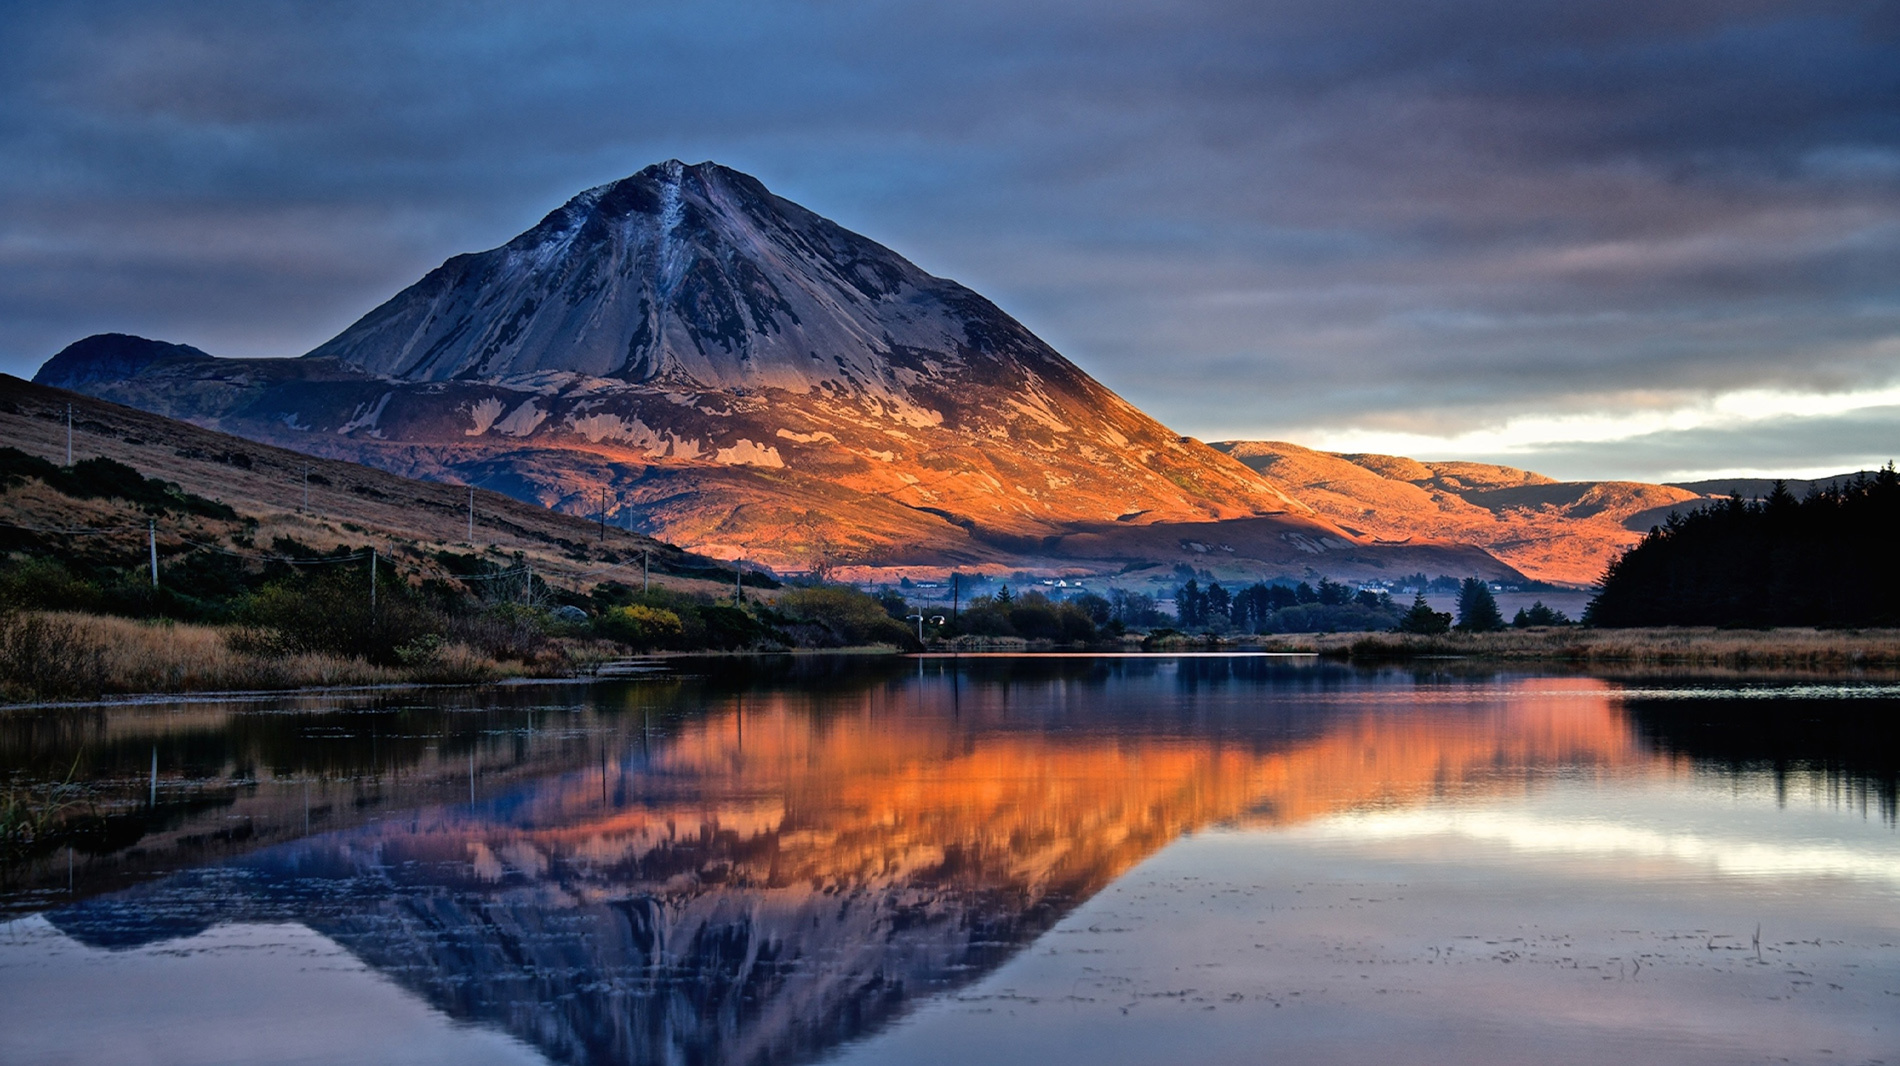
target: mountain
1559 531
721 368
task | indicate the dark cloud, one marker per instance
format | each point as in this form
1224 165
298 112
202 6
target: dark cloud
1249 217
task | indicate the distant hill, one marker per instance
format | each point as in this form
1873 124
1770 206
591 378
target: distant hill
1749 488
1559 531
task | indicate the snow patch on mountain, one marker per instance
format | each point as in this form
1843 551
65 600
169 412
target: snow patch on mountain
599 427
366 417
746 453
523 420
483 414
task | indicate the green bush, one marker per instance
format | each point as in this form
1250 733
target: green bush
640 626
835 616
103 478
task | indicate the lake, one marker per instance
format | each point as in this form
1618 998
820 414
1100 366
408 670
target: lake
1030 859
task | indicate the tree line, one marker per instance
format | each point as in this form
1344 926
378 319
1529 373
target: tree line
1827 559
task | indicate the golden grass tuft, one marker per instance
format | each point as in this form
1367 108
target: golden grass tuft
1796 648
66 655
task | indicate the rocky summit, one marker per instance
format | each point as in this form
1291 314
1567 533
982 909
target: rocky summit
700 359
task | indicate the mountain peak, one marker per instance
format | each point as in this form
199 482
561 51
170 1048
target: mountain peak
680 275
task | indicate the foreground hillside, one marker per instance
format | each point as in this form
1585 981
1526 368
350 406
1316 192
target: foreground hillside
267 489
1566 532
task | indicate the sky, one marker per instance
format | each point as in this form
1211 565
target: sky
1593 238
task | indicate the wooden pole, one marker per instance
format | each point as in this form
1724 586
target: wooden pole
151 540
372 586
471 516
69 434
646 570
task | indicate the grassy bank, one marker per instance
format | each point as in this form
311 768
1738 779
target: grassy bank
51 655
1671 646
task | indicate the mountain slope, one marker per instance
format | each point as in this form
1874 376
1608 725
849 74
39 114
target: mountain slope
726 370
276 492
1565 532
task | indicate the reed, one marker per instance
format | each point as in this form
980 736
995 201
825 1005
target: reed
64 655
1802 648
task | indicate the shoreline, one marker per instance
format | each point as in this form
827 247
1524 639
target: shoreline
1803 649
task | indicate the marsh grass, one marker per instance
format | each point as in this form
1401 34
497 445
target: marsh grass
1800 648
31 815
56 655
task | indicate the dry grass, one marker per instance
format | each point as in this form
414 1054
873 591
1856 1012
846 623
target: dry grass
64 655
1803 648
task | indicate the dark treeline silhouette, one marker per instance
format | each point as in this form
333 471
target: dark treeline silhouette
1828 559
1277 608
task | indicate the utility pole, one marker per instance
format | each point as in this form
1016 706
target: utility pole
151 539
69 434
471 516
603 516
953 595
528 594
646 570
306 488
738 590
372 587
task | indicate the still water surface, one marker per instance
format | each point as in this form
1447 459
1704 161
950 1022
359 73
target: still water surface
1011 860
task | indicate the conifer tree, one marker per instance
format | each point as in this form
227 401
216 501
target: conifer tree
1477 609
1422 619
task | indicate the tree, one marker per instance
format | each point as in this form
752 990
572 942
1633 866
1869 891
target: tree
1477 609
1422 619
1190 605
1332 593
1218 604
1539 615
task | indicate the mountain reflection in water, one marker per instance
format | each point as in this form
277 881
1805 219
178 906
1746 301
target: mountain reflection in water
757 868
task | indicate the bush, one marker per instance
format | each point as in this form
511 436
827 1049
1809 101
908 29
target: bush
329 613
834 616
39 583
640 626
107 478
1031 616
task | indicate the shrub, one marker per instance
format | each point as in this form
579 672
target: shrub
836 616
640 626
